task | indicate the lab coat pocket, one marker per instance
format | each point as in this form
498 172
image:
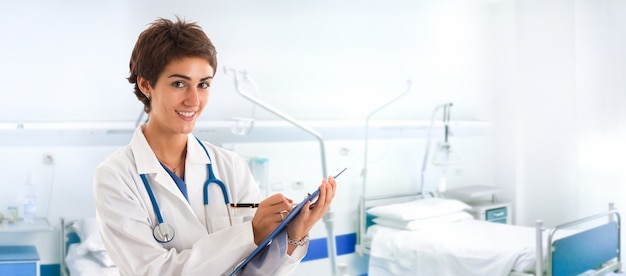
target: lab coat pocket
222 222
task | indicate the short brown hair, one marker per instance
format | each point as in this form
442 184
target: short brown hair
163 41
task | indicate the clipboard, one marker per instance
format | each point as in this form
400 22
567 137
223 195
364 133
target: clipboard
294 212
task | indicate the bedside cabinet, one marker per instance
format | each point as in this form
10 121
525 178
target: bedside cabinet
498 212
19 260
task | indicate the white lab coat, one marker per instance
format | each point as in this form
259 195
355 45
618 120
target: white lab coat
126 216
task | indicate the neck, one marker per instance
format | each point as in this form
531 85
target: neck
171 150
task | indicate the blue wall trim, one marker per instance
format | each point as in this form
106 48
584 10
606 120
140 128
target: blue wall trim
318 248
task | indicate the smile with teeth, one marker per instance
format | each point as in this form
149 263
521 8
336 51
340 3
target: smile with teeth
186 114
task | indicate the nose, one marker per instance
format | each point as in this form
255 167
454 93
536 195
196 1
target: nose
192 97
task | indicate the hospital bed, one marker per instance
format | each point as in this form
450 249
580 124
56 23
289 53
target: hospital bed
82 251
411 235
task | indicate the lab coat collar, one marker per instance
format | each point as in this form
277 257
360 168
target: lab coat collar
145 159
195 152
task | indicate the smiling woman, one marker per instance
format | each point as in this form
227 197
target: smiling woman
166 172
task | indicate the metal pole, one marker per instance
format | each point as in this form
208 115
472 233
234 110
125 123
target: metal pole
329 217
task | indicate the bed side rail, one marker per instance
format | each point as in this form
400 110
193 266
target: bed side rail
590 249
68 237
62 247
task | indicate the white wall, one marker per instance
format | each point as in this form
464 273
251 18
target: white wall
558 107
74 56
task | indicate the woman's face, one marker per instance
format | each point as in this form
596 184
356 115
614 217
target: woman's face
179 96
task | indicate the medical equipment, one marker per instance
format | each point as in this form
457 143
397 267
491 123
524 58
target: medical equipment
367 131
259 167
164 232
444 156
12 214
364 172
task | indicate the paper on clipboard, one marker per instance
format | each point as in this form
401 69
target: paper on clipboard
294 212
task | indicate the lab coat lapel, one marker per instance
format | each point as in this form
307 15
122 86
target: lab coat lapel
196 175
195 167
195 153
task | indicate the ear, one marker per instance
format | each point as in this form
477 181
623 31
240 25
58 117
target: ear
144 85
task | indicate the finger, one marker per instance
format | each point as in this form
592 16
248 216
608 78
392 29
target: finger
333 184
328 193
277 202
319 205
282 215
331 188
304 212
276 199
328 197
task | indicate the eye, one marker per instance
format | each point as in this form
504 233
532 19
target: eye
204 85
178 84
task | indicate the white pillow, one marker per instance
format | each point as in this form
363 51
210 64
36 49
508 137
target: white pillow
85 227
419 224
418 209
90 240
103 258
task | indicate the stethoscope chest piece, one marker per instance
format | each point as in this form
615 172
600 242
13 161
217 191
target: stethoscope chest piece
163 232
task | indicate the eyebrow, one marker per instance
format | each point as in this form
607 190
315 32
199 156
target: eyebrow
188 78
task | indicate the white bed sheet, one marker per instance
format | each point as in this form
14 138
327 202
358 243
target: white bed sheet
89 256
87 264
467 247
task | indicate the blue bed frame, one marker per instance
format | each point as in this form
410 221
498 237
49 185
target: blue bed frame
596 249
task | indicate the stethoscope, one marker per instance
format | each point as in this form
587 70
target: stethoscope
164 232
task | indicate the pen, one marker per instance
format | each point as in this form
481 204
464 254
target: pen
244 205
251 205
344 169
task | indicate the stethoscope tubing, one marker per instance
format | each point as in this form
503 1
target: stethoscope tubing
152 199
211 179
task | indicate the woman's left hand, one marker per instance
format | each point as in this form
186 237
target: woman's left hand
310 214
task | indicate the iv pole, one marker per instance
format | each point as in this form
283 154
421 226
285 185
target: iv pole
367 123
329 217
446 120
